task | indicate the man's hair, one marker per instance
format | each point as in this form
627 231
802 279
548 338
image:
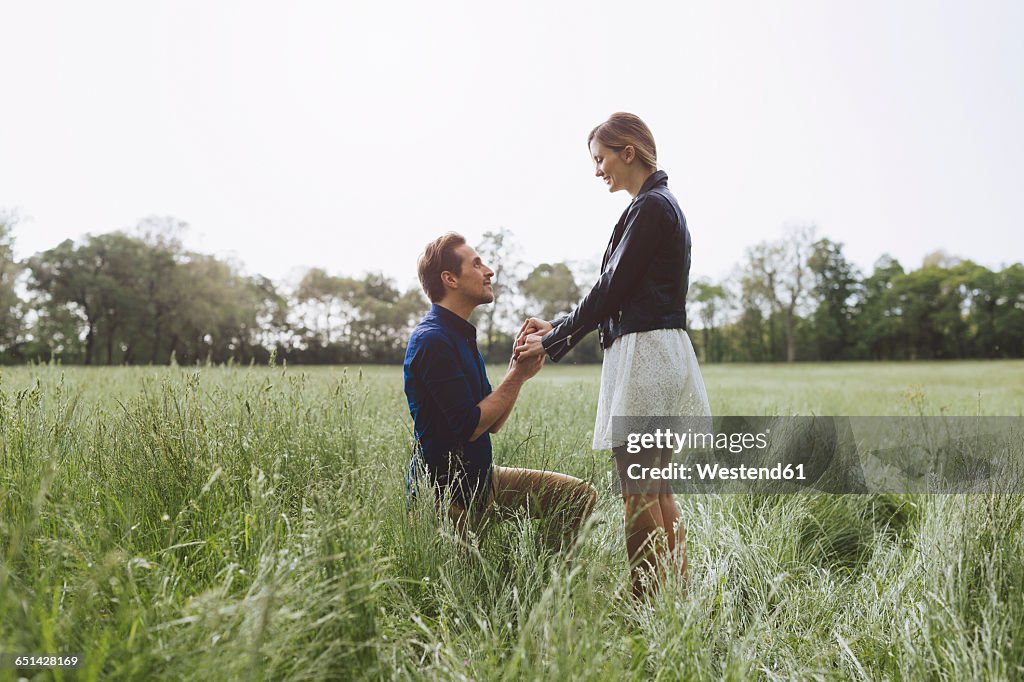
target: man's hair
439 256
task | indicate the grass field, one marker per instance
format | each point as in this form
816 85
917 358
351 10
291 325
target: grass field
249 523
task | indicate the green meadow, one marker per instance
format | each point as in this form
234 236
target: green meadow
224 523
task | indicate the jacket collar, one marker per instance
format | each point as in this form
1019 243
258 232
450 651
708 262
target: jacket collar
657 179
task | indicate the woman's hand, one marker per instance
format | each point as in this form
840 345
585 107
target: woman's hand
530 347
533 325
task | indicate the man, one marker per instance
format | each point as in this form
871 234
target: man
454 410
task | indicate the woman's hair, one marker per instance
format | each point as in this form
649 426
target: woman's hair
622 129
439 256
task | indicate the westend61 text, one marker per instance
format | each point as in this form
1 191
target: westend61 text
716 472
667 439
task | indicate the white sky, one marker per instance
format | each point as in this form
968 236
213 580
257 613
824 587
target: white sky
346 135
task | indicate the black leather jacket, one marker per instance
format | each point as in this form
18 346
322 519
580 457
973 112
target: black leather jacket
644 275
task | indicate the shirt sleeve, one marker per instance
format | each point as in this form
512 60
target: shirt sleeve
436 363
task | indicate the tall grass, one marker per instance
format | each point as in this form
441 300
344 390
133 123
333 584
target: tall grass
230 523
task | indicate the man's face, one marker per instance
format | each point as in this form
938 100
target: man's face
475 278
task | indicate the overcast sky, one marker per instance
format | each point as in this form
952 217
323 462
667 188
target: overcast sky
346 135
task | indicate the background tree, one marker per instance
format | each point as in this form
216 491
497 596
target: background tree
121 284
271 330
983 294
140 296
836 289
1009 322
928 306
326 308
550 291
879 313
753 334
221 318
10 302
134 300
499 251
778 272
758 295
161 281
386 318
68 276
711 300
337 319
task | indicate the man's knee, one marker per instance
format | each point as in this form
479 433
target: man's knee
588 499
571 496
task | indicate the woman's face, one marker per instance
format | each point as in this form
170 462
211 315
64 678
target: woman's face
609 165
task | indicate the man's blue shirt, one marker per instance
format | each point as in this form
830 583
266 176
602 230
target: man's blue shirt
445 379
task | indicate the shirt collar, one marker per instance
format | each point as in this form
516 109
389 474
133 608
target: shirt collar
453 322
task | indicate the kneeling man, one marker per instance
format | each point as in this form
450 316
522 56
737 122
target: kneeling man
454 410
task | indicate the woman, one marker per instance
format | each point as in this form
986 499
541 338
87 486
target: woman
638 307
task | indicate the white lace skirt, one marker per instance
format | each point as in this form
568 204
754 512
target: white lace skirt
648 374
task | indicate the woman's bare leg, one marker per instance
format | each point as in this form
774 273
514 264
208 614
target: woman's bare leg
655 535
676 532
674 528
646 543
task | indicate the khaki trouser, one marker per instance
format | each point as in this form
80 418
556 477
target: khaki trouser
561 500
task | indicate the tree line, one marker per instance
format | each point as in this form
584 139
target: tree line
800 298
141 297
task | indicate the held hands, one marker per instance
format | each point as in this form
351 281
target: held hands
528 354
528 339
525 368
527 364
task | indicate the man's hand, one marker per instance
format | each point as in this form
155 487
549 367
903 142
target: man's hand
532 326
525 368
530 347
